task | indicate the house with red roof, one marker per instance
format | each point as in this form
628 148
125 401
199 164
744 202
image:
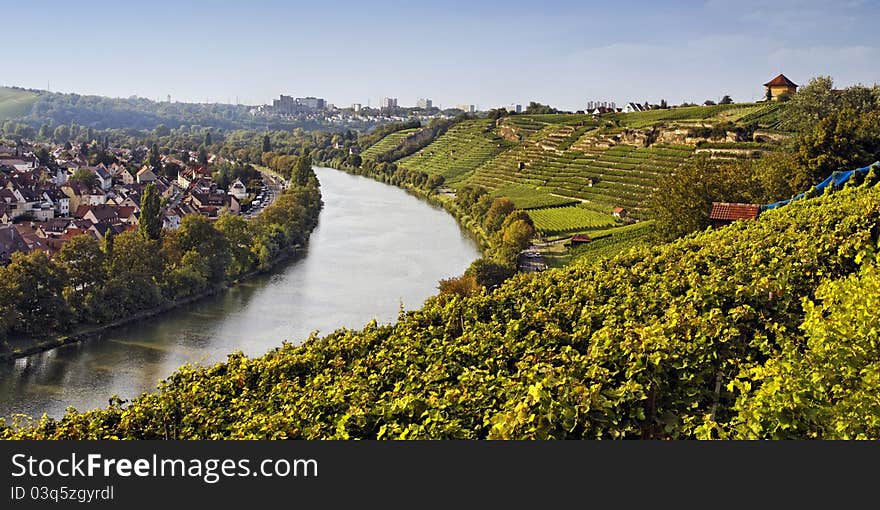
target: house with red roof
725 213
780 86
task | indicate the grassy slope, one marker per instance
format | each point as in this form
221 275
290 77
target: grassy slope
15 103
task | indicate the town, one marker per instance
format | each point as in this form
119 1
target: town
51 193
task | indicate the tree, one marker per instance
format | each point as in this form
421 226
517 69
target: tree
843 140
61 134
781 176
489 274
150 222
303 170
496 214
709 102
267 144
82 261
663 104
203 156
134 272
85 176
813 102
538 108
32 286
161 130
726 100
197 234
207 138
238 233
154 159
683 200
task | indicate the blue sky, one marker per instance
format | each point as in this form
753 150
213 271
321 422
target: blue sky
487 53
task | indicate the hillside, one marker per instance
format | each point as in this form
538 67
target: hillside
763 329
15 102
584 166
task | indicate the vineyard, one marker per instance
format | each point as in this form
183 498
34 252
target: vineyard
582 166
762 329
559 220
530 197
457 152
388 143
717 113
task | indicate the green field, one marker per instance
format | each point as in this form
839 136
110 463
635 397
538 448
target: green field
456 153
15 102
388 143
529 197
558 220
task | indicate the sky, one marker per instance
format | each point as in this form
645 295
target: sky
486 53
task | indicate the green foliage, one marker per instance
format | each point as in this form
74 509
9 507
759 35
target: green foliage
85 176
150 222
674 341
826 387
558 220
843 140
683 201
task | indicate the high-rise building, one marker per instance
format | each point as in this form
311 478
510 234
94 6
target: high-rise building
592 105
425 103
467 108
356 107
388 102
514 108
288 105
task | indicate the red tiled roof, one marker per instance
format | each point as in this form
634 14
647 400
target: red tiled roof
619 210
728 211
780 81
580 238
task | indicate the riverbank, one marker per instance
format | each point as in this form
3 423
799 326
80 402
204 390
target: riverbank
377 248
36 346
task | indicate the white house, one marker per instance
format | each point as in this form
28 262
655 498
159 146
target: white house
633 107
238 190
146 174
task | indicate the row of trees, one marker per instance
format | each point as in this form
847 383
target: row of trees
97 282
509 231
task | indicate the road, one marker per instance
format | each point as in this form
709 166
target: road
273 185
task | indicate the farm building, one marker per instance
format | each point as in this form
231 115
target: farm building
725 213
579 239
619 212
780 86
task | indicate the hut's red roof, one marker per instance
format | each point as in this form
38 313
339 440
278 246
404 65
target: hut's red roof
729 211
780 81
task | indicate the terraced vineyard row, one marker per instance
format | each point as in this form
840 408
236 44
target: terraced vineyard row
459 151
388 143
620 176
559 220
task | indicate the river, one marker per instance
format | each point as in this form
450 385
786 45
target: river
375 247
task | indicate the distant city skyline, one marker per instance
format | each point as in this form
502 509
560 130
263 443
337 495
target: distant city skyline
489 54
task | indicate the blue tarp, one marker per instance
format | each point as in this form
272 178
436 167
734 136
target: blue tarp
836 179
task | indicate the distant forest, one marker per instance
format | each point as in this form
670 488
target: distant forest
141 113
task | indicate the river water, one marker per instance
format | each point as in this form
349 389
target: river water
375 247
